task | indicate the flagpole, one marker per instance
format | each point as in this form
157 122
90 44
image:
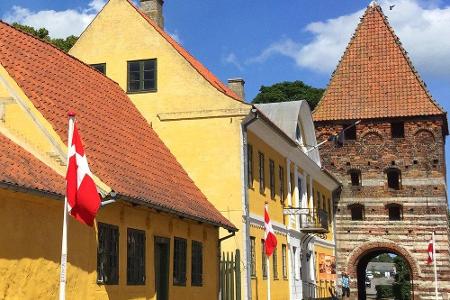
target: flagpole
435 268
63 273
268 277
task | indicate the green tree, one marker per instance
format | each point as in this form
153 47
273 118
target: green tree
289 91
43 34
383 258
402 284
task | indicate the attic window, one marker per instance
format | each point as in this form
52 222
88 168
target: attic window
398 130
100 67
350 132
142 76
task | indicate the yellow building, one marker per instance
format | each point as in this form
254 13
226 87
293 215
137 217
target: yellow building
158 240
203 122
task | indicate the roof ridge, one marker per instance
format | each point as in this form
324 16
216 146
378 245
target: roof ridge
214 81
53 46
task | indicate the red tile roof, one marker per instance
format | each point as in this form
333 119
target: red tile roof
123 151
21 168
201 69
375 78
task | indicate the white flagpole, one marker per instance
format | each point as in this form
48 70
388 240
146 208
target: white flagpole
63 274
268 277
435 268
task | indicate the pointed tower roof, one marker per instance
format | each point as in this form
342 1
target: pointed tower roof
375 78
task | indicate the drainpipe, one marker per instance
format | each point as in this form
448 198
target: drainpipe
246 203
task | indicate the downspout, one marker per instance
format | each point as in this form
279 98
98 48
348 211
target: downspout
246 203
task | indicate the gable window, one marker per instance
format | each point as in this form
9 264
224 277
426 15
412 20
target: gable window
108 254
253 257
263 259
262 184
284 261
135 257
398 129
142 75
197 264
100 67
298 134
272 178
395 212
355 177
250 165
357 212
350 132
179 261
275 264
281 178
393 178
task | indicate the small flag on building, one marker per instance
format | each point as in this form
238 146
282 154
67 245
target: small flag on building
270 240
430 251
83 199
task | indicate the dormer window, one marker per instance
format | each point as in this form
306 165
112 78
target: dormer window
393 178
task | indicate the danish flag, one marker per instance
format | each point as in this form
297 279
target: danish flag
430 251
270 240
83 200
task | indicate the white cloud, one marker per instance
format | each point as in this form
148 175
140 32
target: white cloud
423 28
60 24
232 59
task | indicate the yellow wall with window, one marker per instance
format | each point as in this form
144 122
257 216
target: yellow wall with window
31 226
200 125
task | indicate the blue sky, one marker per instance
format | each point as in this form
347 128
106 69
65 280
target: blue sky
271 41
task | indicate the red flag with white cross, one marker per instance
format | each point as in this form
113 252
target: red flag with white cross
270 240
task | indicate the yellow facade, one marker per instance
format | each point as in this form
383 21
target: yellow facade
31 226
200 125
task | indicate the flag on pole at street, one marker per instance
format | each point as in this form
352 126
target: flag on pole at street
83 199
430 251
270 240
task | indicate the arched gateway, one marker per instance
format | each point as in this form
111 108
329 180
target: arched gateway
391 163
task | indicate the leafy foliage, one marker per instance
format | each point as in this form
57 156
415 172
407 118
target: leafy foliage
383 258
43 34
402 284
384 291
289 91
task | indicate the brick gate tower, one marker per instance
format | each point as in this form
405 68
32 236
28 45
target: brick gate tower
391 164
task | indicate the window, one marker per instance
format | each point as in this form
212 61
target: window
135 257
292 183
357 211
262 184
197 264
100 67
294 258
108 254
142 75
393 179
281 178
284 261
350 132
319 201
298 134
272 178
253 256
179 261
355 177
250 165
275 263
395 212
398 130
263 259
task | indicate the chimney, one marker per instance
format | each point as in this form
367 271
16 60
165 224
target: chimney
237 86
154 10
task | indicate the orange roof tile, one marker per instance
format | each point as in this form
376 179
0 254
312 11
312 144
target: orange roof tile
201 69
375 78
122 149
21 168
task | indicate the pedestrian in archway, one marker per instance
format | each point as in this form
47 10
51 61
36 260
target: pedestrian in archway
345 279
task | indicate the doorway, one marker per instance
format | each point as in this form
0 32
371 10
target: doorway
162 256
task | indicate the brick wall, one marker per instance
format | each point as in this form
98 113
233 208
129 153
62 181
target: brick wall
420 159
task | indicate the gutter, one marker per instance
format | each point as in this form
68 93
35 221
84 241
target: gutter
25 189
246 216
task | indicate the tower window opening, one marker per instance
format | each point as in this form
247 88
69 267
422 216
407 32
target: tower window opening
357 212
398 129
395 212
393 179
